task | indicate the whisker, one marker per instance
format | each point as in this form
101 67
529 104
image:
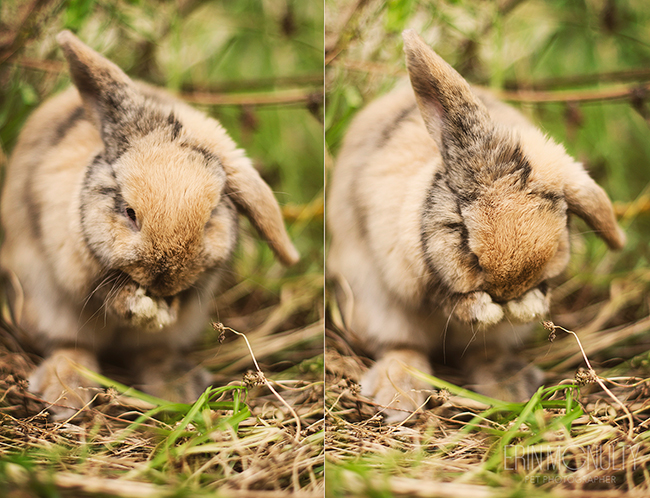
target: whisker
110 278
101 284
471 339
444 333
118 281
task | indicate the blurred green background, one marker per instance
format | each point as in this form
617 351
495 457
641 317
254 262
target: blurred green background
255 65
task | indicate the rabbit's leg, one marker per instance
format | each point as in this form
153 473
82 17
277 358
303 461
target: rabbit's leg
392 386
501 374
393 335
59 380
532 306
169 375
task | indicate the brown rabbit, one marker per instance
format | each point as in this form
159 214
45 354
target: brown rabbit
449 214
120 215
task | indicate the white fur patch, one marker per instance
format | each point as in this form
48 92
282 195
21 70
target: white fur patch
485 311
148 313
532 306
391 386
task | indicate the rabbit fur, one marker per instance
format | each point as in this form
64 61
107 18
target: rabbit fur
448 213
120 214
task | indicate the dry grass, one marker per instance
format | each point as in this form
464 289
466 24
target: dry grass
593 445
123 446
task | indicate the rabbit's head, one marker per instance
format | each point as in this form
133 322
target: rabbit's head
495 222
159 201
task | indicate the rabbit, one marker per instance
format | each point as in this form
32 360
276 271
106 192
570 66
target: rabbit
449 213
120 210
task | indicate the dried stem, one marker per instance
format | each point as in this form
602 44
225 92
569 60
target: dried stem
548 325
221 328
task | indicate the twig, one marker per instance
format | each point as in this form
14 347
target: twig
348 33
551 327
315 78
298 96
629 210
369 67
642 74
221 328
214 96
534 97
45 65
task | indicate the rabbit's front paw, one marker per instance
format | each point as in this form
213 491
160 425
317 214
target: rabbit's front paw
531 306
391 386
150 313
59 381
144 311
477 307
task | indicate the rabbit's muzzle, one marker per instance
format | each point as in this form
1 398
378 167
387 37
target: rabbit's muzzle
165 275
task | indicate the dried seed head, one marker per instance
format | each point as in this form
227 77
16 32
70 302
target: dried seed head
252 379
219 327
548 325
584 376
443 395
355 389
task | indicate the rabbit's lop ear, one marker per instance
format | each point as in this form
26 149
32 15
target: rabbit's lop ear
589 201
452 113
255 199
108 94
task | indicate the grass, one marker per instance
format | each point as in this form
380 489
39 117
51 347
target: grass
575 68
256 67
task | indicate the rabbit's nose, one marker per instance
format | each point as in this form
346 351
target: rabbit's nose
498 299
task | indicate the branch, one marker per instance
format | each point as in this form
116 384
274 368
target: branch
614 94
349 32
257 84
13 41
581 80
299 96
369 67
47 66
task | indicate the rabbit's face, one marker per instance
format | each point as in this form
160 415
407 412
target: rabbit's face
494 224
163 218
519 237
494 237
160 201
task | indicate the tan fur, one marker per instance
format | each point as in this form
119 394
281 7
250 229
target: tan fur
94 279
448 214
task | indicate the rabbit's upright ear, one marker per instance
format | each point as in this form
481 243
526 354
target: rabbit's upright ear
588 200
452 113
108 94
255 199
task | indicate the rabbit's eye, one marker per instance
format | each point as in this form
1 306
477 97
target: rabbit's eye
130 214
